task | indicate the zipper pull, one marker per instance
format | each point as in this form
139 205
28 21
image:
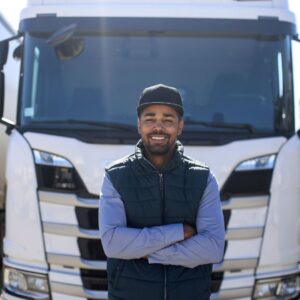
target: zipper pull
161 181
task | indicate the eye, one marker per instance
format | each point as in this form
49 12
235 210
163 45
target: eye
149 121
169 121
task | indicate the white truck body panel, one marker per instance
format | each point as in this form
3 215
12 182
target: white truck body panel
283 212
11 74
23 210
296 75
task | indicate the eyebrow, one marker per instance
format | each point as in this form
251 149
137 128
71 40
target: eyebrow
169 115
151 114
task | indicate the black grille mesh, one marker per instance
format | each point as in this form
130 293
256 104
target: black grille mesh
94 280
91 249
87 217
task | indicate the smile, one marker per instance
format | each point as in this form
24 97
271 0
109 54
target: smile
158 137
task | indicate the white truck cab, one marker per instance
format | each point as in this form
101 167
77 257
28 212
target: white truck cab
83 66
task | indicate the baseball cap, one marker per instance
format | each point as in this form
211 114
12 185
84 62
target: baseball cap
160 94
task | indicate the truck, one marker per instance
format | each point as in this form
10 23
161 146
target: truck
82 67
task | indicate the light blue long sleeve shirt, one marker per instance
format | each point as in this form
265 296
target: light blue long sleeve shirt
163 244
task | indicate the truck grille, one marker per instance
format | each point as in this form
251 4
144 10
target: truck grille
85 261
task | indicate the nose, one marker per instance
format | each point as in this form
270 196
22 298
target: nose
158 127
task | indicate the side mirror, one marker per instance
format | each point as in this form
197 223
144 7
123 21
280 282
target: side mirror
65 45
3 59
62 35
3 53
18 52
69 49
1 94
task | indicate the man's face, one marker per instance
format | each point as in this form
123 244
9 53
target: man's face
159 125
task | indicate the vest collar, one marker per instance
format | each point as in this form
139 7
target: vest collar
173 163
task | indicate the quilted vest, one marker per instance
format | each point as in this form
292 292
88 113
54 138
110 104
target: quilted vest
154 197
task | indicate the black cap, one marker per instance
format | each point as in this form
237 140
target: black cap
161 94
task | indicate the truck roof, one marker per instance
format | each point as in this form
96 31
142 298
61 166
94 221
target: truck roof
219 9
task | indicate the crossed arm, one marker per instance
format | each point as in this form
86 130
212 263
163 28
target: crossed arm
174 244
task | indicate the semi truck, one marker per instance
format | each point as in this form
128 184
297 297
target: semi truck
83 65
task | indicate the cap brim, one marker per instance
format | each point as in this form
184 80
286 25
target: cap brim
178 108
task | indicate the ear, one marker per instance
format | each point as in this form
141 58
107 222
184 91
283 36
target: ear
139 125
180 126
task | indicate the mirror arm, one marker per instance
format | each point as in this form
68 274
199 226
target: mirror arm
15 37
296 37
9 125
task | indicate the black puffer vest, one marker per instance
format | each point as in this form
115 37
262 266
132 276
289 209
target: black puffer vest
151 198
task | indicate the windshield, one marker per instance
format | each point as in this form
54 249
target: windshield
223 80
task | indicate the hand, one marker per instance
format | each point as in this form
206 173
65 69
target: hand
189 231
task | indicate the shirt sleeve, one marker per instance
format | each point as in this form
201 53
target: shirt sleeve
120 241
207 246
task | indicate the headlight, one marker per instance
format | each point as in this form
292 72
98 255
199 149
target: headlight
56 172
250 177
26 284
278 288
48 159
259 163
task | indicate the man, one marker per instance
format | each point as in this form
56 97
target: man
160 217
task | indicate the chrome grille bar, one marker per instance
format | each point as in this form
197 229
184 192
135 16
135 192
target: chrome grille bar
67 199
70 230
75 290
236 264
229 294
245 202
243 233
75 262
78 262
73 230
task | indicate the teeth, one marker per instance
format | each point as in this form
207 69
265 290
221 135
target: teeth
158 137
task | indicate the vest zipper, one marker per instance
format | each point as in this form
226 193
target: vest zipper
162 196
165 283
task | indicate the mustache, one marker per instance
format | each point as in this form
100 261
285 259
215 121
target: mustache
161 132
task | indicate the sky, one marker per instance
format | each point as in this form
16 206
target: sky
11 9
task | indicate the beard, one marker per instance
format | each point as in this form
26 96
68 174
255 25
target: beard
158 149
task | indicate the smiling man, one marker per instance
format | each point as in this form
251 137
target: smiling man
160 217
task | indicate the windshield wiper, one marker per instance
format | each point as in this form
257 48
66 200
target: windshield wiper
108 125
248 127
